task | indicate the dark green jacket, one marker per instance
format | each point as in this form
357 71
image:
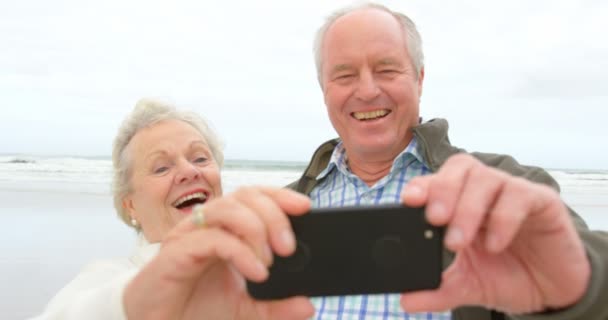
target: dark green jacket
436 148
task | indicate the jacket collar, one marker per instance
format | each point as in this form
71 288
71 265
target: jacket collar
434 142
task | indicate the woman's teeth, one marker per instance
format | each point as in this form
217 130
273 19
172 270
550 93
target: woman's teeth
198 195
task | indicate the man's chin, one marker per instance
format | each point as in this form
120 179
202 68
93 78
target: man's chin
368 149
371 147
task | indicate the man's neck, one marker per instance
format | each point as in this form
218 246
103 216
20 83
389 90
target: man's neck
373 166
370 172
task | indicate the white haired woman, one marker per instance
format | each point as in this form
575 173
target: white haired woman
187 265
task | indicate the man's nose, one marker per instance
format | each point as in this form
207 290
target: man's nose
187 171
367 87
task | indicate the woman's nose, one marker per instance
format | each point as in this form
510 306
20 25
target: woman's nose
187 171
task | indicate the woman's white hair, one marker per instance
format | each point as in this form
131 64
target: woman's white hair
413 41
146 113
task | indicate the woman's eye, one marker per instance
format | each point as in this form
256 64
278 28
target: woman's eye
200 160
160 170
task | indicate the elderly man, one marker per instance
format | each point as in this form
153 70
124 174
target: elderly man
514 249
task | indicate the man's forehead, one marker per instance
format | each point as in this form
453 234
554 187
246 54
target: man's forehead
363 17
387 46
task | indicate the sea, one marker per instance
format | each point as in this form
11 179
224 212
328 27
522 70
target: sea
56 216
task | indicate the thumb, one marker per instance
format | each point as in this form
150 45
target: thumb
457 289
292 202
291 308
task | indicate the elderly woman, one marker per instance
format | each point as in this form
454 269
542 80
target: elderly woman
196 247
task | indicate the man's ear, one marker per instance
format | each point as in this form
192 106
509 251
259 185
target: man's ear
420 81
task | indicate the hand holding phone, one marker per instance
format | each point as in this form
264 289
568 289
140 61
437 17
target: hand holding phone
357 250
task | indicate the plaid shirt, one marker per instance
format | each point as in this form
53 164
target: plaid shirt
342 188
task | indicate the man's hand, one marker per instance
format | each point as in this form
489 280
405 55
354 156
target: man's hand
516 247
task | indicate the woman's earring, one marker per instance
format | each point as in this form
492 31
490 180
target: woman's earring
134 222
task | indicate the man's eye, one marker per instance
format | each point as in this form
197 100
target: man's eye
344 76
388 71
160 170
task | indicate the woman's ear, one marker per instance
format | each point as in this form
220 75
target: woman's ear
127 204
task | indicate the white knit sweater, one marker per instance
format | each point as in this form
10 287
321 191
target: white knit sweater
97 291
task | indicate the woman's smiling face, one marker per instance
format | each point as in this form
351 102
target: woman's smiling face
172 169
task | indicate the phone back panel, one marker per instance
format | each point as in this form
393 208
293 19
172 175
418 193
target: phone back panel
357 250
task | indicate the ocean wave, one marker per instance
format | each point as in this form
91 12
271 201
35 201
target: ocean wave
581 176
259 165
237 172
16 160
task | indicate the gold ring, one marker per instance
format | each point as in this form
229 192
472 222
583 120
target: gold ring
198 216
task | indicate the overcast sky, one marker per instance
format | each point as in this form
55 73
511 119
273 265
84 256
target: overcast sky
528 78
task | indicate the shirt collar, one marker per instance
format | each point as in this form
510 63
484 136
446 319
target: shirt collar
339 159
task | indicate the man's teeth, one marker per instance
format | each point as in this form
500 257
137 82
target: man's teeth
370 115
199 195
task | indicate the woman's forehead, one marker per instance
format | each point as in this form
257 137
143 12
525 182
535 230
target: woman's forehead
167 136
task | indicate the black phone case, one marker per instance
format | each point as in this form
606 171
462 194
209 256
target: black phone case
357 250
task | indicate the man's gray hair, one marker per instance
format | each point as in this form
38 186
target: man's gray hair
413 41
146 113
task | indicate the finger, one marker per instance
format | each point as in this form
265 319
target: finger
240 218
476 201
416 191
455 290
227 212
446 187
291 308
517 200
427 301
185 258
196 220
271 204
293 203
266 203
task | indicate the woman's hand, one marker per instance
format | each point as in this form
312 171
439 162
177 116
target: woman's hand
200 272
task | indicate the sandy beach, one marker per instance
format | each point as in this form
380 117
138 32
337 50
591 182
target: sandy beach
47 238
52 229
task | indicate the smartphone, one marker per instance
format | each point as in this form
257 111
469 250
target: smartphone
357 250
